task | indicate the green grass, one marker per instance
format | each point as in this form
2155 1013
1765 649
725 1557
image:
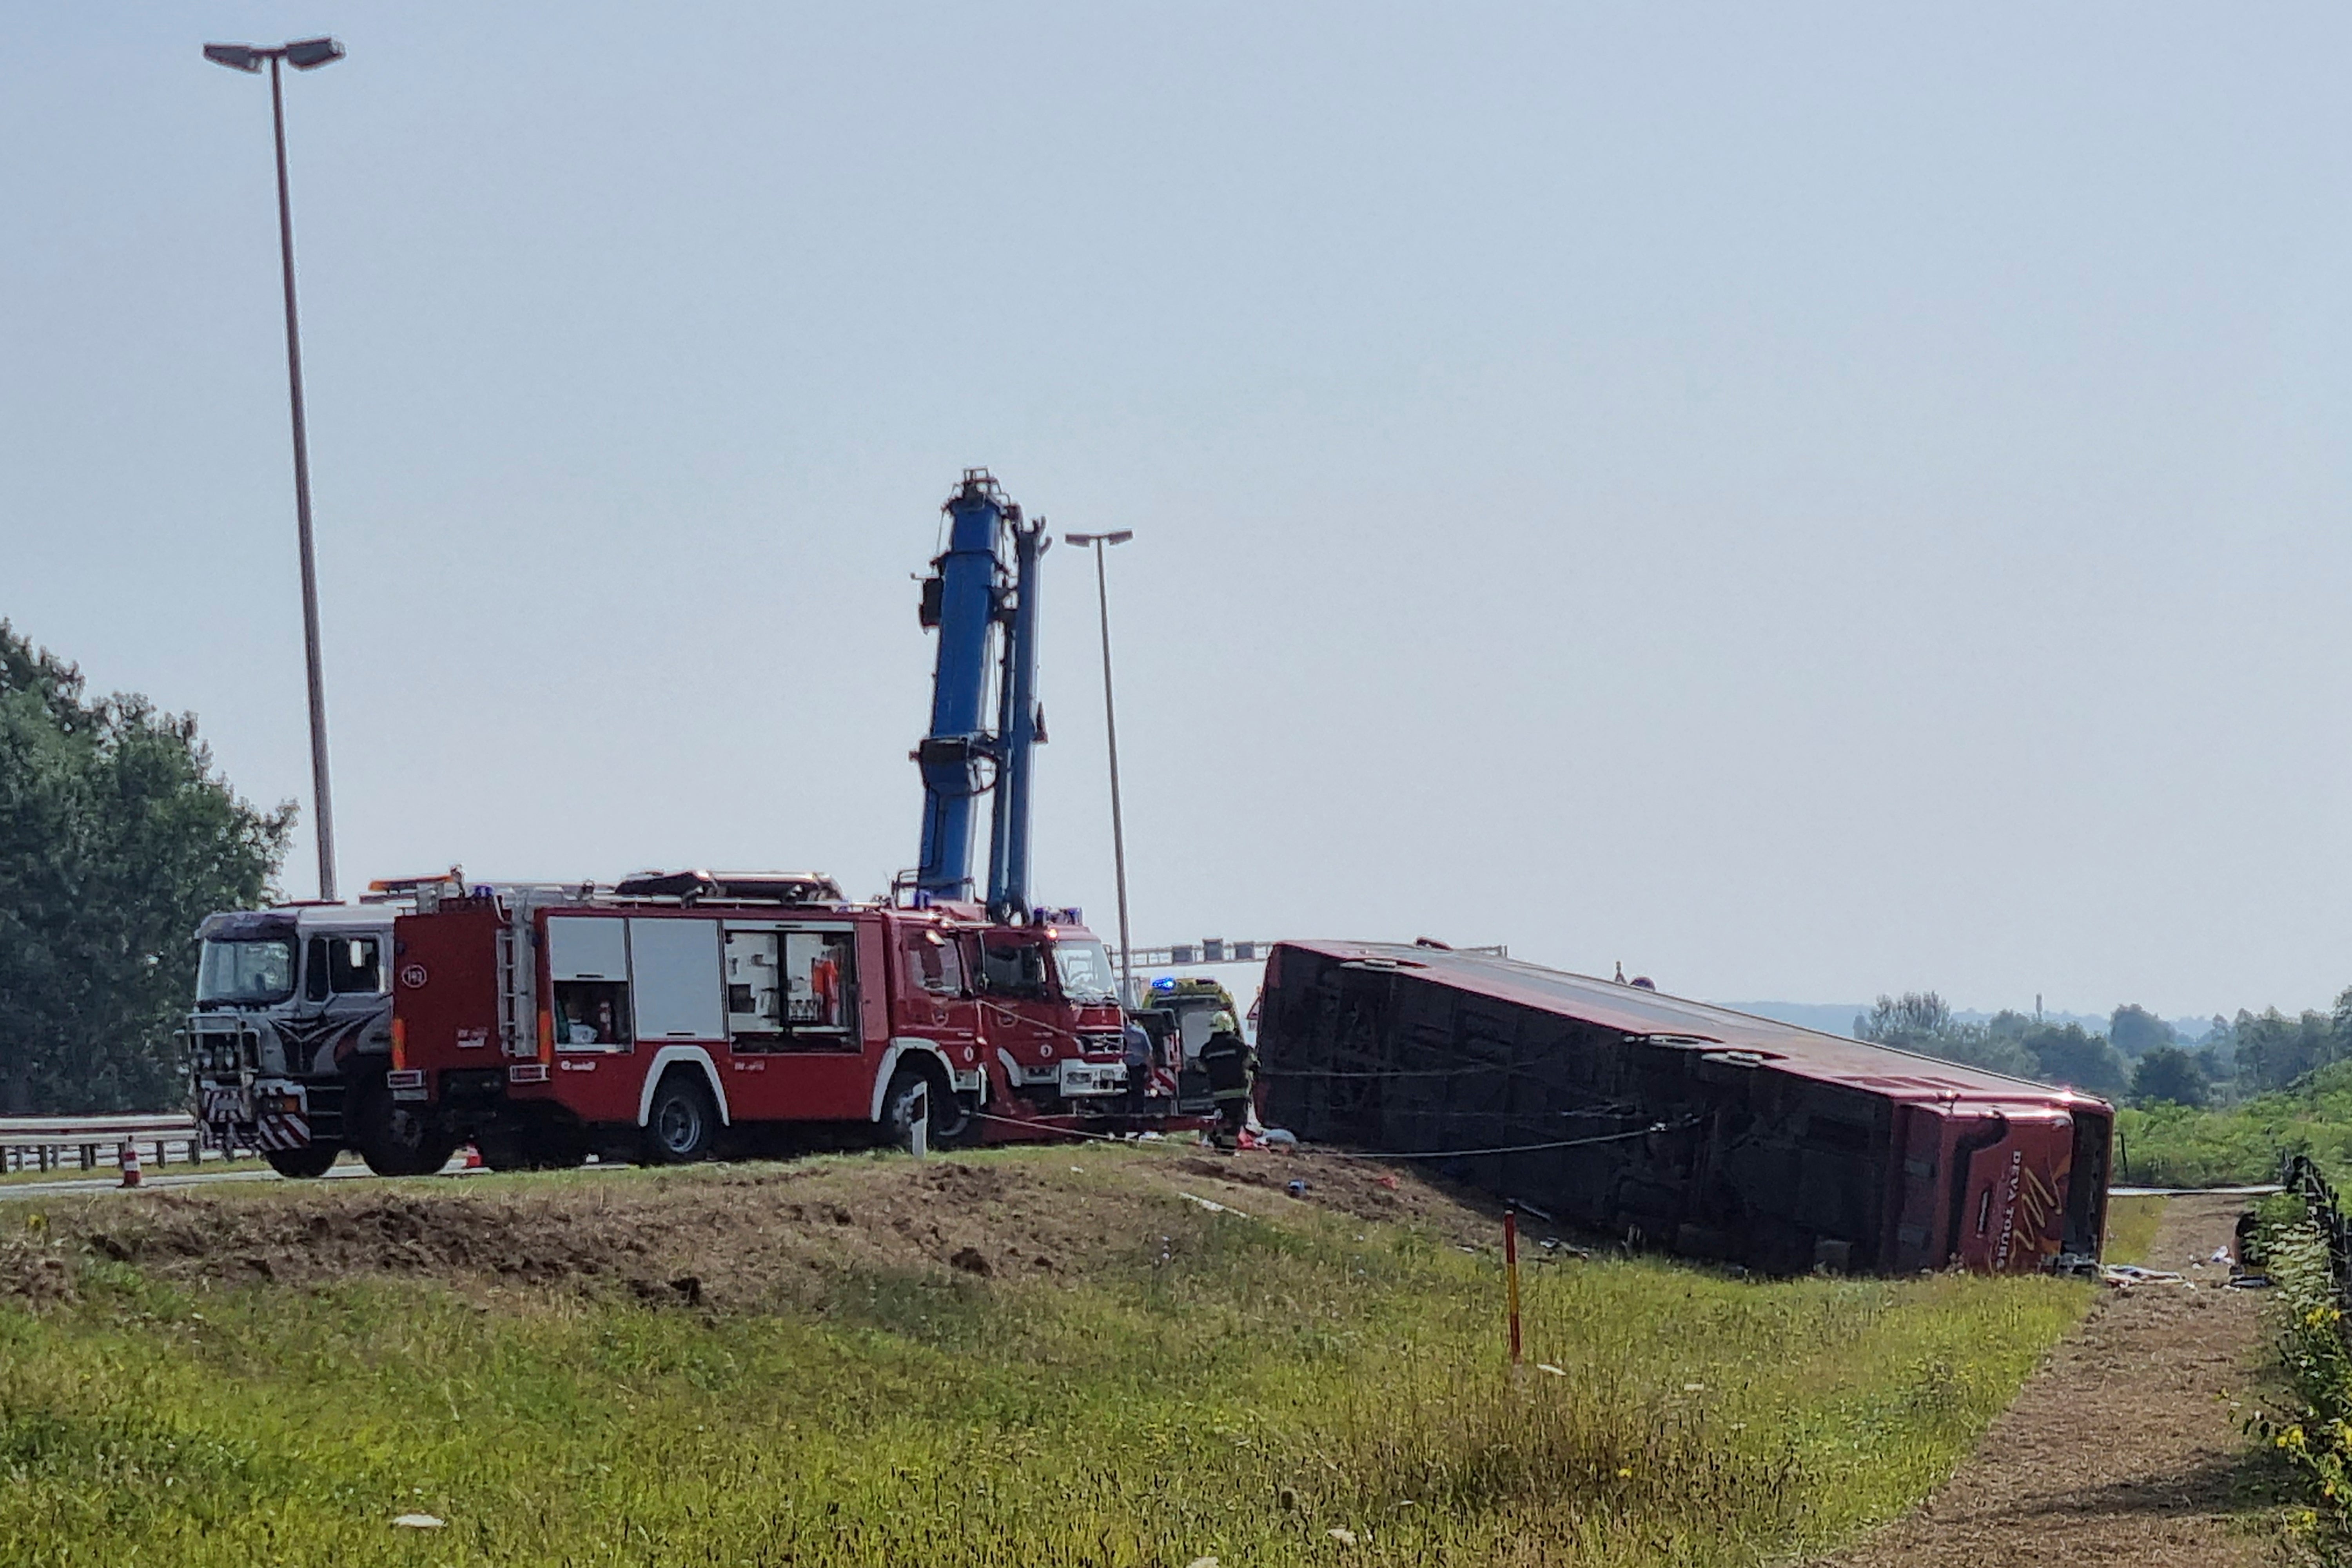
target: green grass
2131 1229
2173 1145
1242 1393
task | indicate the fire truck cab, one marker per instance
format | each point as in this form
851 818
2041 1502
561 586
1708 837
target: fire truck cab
668 1013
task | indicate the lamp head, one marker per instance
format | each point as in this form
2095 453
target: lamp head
235 56
310 54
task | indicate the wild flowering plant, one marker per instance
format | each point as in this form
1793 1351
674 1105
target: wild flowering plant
2315 1438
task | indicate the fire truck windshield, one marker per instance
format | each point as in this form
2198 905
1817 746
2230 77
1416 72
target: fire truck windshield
1086 972
252 973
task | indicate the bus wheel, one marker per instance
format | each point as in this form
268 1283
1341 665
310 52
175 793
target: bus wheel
310 1160
681 1122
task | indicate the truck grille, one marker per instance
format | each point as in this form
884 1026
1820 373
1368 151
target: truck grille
220 1051
1099 1042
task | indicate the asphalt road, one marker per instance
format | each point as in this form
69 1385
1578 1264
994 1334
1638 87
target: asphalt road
109 1182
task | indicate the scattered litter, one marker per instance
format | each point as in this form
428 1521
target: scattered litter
1297 1188
2127 1275
1202 1562
2250 1282
1547 1366
1390 1181
2221 1255
1077 1170
419 1522
1343 1534
1279 1138
1211 1204
1694 1387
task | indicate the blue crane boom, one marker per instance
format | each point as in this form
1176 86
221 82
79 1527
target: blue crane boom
978 599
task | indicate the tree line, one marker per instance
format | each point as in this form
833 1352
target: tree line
116 838
2141 1059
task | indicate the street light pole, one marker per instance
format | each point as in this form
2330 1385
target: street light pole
306 55
1110 733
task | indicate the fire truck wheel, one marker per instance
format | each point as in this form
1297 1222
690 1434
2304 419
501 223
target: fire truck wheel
949 1118
681 1121
310 1160
395 1141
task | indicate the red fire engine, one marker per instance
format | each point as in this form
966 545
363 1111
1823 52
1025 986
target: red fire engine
656 1018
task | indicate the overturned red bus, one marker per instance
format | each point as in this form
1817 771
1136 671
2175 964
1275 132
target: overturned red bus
1681 1125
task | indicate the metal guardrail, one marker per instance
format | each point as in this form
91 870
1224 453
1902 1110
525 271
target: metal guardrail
95 1143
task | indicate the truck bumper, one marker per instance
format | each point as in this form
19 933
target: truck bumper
270 1114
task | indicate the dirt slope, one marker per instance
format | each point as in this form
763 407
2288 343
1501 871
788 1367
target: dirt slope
751 1237
2125 1447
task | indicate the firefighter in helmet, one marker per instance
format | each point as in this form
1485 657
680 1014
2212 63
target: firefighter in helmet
1230 1064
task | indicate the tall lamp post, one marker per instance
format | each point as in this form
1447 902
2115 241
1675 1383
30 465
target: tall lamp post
303 55
1110 731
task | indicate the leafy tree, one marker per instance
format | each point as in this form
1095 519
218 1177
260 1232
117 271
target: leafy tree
2069 1055
2217 1068
1923 1022
2168 1073
1916 1015
2135 1032
116 838
2273 1050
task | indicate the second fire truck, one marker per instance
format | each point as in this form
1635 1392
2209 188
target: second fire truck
668 1016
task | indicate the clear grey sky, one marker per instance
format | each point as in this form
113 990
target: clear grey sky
1806 500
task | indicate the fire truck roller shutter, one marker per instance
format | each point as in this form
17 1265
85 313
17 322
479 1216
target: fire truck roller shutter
679 979
588 976
696 1058
587 947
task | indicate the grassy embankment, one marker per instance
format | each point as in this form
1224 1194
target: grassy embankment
2172 1145
1244 1388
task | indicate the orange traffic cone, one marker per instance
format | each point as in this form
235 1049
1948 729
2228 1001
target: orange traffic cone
130 1163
